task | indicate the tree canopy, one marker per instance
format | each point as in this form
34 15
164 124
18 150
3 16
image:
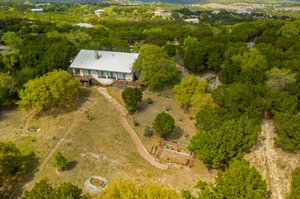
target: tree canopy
10 160
44 190
239 180
156 69
295 185
128 190
163 124
216 147
55 89
131 97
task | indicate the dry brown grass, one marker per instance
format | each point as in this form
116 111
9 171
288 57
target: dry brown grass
146 114
98 147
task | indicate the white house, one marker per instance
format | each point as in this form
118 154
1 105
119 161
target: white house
192 20
104 66
37 10
84 25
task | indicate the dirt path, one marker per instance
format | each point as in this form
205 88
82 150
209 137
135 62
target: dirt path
140 147
274 164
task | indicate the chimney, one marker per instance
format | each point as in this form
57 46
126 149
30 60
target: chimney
97 56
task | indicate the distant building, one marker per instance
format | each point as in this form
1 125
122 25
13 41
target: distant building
215 12
98 12
162 13
37 10
104 66
84 25
243 12
194 20
250 44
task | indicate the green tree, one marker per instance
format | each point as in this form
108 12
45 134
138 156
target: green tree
217 147
187 88
10 160
281 102
55 89
12 40
295 185
163 124
253 66
195 57
8 90
44 190
59 161
131 97
240 180
128 190
279 79
189 41
170 49
237 98
156 68
287 126
201 100
209 117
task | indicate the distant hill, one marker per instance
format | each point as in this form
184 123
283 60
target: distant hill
221 1
169 1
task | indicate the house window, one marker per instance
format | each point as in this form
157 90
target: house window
121 76
109 75
101 74
86 72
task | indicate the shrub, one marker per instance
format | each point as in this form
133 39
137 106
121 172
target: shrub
148 132
131 97
149 100
163 124
59 161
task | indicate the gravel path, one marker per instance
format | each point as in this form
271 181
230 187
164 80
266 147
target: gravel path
140 147
274 164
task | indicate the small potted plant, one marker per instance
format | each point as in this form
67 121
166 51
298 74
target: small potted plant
59 161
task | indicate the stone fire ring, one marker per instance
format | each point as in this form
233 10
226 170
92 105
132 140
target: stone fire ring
94 188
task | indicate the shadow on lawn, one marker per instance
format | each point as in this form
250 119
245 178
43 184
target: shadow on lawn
178 132
13 188
71 165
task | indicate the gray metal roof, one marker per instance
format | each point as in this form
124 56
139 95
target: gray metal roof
105 61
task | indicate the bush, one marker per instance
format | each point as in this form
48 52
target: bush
59 161
295 185
10 160
163 124
149 100
148 132
131 97
135 123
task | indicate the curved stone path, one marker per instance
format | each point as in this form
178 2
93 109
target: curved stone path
140 147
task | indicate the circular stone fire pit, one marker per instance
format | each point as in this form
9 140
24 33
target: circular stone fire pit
95 183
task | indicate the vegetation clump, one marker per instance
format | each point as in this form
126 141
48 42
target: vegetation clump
239 180
59 161
55 89
131 98
11 160
157 70
43 189
163 124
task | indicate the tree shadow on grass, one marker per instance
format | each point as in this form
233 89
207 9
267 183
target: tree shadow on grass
13 188
71 165
143 106
178 132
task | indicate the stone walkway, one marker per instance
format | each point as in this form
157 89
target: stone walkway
140 147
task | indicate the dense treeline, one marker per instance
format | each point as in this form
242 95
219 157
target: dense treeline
259 81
